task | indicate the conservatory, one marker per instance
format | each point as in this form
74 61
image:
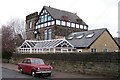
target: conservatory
55 45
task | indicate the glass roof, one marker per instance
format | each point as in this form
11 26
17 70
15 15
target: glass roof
46 43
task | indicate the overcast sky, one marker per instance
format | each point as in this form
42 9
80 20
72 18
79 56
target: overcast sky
96 13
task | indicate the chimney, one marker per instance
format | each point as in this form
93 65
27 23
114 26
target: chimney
119 19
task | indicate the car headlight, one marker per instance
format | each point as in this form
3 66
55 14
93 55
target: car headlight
38 69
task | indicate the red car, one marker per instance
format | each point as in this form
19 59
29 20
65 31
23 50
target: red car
34 66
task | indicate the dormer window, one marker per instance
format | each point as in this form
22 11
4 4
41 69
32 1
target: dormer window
90 35
71 37
79 37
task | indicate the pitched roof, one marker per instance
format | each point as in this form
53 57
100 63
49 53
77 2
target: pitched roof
117 39
84 39
60 14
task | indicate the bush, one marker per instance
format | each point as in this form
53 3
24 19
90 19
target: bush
6 55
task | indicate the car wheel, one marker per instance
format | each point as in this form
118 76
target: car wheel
33 73
21 70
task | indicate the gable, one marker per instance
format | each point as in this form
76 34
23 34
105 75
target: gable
105 40
44 16
64 43
25 45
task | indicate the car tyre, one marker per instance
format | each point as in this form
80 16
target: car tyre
33 73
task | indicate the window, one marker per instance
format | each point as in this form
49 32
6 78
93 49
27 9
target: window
42 19
30 25
81 26
68 24
49 18
93 50
24 61
38 26
58 22
28 61
45 17
45 24
77 25
50 34
48 23
105 50
71 37
42 25
45 34
63 23
52 22
72 25
79 37
90 35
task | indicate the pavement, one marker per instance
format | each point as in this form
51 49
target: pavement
10 66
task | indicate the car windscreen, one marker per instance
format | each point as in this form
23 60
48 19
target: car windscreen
37 61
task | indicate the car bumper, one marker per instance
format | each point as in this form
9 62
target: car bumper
44 72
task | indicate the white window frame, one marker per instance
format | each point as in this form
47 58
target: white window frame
72 24
77 25
68 24
30 24
63 23
58 22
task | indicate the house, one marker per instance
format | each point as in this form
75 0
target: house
43 46
98 40
49 23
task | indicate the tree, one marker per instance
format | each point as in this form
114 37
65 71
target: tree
8 42
19 26
12 37
19 30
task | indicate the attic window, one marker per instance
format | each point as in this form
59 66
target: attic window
70 37
79 37
90 35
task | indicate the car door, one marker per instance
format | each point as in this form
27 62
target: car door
24 65
28 66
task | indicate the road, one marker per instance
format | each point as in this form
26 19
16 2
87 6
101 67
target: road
10 71
7 73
